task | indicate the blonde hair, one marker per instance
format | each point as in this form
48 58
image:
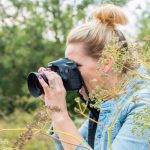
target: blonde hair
99 31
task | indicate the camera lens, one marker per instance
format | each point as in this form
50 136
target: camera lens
34 86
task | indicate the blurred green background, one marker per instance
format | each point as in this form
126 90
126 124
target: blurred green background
33 33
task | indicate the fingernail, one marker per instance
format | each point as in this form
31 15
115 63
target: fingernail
44 69
40 77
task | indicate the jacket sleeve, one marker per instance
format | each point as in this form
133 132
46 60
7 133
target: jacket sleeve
56 142
126 138
84 133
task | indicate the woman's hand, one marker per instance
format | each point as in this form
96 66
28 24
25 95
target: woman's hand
55 99
54 93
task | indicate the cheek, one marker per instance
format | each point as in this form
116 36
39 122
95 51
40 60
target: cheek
82 71
86 74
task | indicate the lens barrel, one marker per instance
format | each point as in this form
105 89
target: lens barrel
34 86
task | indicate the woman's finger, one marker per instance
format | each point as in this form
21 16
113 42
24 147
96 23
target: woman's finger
52 79
44 84
60 83
55 81
41 69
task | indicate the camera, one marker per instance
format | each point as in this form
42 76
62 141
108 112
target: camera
68 71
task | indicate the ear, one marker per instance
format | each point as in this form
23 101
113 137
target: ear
107 67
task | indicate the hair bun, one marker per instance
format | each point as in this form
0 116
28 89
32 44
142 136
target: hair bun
110 15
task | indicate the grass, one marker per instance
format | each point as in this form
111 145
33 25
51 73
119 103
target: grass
20 119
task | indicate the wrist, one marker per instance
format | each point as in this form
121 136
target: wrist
56 112
60 117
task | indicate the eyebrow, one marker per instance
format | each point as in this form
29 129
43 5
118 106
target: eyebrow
78 64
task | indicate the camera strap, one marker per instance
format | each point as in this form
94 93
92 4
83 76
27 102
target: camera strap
94 111
94 114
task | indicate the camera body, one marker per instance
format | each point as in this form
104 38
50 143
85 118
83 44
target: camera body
64 67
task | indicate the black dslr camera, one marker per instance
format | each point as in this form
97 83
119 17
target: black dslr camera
68 71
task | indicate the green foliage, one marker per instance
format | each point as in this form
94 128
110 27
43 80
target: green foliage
25 45
116 2
19 119
145 26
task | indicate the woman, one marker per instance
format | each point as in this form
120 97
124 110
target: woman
85 45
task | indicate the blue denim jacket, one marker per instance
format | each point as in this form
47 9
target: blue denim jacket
123 109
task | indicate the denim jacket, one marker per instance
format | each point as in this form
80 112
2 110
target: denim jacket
118 114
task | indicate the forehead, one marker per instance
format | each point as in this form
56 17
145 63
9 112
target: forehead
75 51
